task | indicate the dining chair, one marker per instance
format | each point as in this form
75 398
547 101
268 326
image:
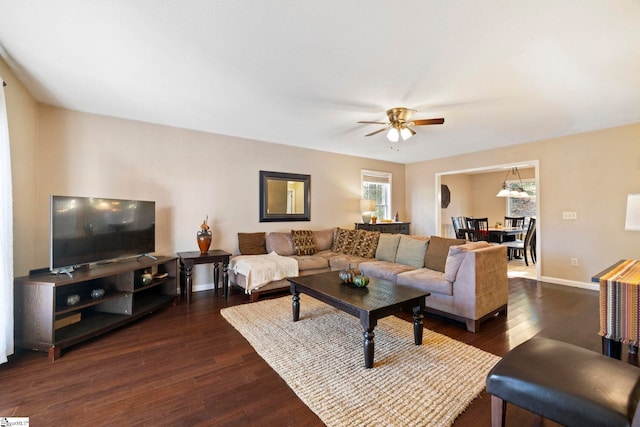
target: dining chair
521 246
458 227
516 222
477 229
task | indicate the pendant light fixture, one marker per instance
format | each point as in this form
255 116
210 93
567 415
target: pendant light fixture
516 191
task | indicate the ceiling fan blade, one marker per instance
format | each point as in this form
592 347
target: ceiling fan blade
376 132
422 122
374 123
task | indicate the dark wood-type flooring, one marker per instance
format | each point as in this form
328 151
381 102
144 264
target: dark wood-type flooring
186 366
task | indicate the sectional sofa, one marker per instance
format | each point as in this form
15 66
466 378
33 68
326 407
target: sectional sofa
467 281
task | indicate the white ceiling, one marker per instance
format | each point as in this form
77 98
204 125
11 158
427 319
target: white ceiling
304 72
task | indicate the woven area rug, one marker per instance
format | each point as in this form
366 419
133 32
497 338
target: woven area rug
321 358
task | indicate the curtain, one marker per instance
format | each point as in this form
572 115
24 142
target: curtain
6 237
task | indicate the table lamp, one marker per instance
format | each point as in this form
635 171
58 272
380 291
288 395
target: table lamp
633 212
366 208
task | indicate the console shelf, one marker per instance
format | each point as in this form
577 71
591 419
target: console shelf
45 321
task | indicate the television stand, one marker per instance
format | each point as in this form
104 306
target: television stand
148 256
46 322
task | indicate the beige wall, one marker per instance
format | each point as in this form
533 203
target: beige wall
22 114
190 175
474 194
589 173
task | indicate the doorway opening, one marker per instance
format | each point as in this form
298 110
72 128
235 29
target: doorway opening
473 193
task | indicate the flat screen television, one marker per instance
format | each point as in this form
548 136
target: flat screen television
87 230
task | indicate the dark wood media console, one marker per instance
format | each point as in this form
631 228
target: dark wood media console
45 322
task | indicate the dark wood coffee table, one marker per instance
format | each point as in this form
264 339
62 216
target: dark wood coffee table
380 299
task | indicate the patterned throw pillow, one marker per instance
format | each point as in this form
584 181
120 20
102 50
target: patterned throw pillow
344 241
303 242
366 243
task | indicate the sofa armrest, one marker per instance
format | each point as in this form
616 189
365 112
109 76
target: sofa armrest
481 283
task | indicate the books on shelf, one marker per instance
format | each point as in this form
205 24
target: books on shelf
67 320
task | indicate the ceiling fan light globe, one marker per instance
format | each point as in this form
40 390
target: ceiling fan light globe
405 133
393 135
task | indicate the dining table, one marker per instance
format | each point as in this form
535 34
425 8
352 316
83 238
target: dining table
505 234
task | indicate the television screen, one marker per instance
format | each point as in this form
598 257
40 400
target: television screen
86 229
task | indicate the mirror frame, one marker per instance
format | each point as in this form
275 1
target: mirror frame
264 197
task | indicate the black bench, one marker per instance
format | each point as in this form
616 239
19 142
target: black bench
566 384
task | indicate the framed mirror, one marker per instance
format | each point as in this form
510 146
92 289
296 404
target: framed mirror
284 197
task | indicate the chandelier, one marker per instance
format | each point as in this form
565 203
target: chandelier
516 191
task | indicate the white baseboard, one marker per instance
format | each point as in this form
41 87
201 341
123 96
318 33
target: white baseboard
582 285
202 287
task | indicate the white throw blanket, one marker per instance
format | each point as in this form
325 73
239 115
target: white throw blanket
262 269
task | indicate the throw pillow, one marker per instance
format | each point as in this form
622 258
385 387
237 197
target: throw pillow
365 243
324 239
387 247
411 251
437 251
303 242
344 241
252 243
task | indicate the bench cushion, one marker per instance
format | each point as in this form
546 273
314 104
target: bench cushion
567 384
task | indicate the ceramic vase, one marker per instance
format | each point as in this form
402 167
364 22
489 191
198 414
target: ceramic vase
204 240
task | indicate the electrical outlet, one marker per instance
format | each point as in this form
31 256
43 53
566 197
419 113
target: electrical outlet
569 215
574 262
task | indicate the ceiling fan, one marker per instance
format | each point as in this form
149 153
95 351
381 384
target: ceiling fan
399 124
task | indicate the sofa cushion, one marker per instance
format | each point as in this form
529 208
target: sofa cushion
342 261
344 241
281 243
366 243
456 256
303 242
324 239
252 243
387 247
383 269
426 280
411 251
437 251
311 262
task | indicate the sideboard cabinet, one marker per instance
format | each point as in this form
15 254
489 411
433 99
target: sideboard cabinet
385 227
56 311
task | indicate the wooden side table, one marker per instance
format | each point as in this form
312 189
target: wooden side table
619 310
215 257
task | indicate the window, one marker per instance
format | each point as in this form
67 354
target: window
377 186
525 207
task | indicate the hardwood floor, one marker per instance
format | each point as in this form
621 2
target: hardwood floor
186 366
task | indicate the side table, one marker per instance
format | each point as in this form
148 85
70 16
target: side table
619 311
214 256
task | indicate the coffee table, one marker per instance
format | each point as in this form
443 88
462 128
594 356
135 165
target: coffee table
380 299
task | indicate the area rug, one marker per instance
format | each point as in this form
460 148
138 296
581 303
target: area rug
321 358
